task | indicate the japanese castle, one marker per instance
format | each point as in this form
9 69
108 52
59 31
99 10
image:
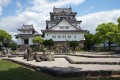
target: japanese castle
63 26
26 35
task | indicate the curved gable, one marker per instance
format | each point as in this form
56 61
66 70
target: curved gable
63 25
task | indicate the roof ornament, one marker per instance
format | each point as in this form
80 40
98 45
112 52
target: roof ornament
32 25
70 7
54 7
23 25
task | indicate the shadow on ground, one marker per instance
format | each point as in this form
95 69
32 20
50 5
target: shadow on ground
18 72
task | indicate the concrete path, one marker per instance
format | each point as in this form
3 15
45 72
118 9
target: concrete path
85 59
62 63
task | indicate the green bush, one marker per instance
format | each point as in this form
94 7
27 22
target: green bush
73 44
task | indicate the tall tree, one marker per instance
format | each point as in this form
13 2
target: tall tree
106 32
39 40
117 35
5 38
118 22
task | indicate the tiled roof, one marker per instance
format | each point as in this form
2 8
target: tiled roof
25 35
63 13
58 10
27 28
57 21
63 30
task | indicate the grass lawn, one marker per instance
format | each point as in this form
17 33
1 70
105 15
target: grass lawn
13 71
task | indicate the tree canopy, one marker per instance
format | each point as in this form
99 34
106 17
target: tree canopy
88 40
39 40
118 22
5 38
106 32
117 35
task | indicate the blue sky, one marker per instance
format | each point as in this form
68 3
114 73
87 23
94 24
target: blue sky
88 6
13 13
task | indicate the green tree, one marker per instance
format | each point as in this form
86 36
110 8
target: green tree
73 44
118 22
13 45
106 32
39 40
48 43
5 38
88 40
117 34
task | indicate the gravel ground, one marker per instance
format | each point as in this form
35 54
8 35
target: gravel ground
63 64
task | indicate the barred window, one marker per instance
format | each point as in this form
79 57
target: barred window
54 36
69 36
64 36
59 36
66 27
61 27
75 36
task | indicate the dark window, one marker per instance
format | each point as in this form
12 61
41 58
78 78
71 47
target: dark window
75 36
62 18
26 41
61 27
59 36
69 36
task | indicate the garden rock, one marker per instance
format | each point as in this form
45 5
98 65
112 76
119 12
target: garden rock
25 56
30 55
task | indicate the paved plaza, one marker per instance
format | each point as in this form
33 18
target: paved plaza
62 63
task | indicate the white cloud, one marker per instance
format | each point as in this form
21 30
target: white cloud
46 6
12 23
91 21
3 3
0 10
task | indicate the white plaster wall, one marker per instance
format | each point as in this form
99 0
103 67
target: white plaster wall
63 23
20 41
79 36
30 41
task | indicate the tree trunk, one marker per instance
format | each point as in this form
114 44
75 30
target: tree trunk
49 47
104 45
38 47
109 43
